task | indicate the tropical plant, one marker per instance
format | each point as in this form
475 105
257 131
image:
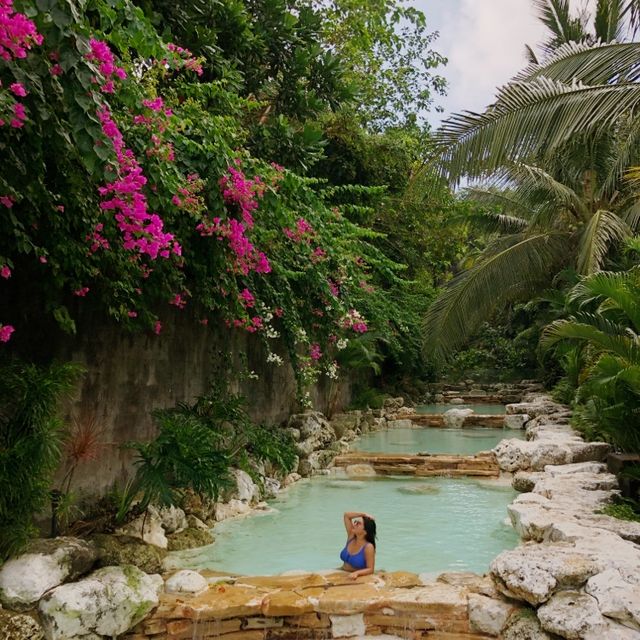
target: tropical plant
31 441
551 154
197 445
607 326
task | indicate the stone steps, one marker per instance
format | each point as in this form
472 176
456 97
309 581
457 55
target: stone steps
481 465
490 421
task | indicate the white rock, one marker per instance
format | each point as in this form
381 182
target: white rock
290 479
47 564
231 509
172 518
399 424
147 527
488 615
347 626
524 625
533 572
572 614
454 418
186 581
360 470
456 401
575 467
107 603
616 597
516 421
247 491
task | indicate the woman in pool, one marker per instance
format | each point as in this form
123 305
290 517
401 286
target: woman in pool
359 554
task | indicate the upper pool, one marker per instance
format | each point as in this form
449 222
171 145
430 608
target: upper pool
484 409
434 440
425 525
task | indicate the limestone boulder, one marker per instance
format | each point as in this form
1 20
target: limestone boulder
312 423
521 455
454 418
575 467
271 487
172 518
148 528
117 550
456 400
617 598
45 565
403 423
525 481
230 509
489 615
573 615
187 582
18 626
524 625
393 404
589 451
109 602
534 572
343 422
516 420
189 538
539 405
347 626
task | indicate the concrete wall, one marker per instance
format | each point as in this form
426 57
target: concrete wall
130 375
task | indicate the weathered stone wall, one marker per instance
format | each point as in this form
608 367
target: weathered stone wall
129 375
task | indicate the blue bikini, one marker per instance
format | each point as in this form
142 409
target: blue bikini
356 560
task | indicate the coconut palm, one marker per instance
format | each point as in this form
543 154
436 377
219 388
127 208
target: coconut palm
551 154
607 327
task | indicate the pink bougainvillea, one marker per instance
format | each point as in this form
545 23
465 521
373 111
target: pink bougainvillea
315 353
81 292
5 271
142 231
17 33
5 332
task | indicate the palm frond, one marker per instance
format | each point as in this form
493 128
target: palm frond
491 222
572 329
593 64
621 288
512 262
505 200
608 20
530 55
556 16
528 118
537 186
600 233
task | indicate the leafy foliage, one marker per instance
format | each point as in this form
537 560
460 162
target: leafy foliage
607 400
198 443
31 439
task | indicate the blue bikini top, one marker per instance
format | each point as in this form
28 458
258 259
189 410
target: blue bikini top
356 560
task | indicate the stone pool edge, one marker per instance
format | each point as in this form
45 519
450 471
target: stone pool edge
574 576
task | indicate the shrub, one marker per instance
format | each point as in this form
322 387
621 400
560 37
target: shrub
31 439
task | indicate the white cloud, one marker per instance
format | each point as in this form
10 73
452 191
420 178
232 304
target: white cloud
484 41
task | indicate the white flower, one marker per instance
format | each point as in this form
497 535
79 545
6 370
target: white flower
273 357
272 333
253 376
342 343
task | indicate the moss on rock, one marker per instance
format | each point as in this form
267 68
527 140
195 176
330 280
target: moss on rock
121 550
189 538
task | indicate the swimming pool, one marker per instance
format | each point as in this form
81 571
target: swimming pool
484 409
414 440
425 525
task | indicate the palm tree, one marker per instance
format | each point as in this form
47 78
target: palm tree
551 154
607 326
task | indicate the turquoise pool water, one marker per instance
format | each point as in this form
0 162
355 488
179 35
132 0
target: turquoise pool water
425 525
484 409
434 440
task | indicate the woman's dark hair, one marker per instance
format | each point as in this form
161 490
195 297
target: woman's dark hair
369 530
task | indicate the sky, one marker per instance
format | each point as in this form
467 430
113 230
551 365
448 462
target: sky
484 41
